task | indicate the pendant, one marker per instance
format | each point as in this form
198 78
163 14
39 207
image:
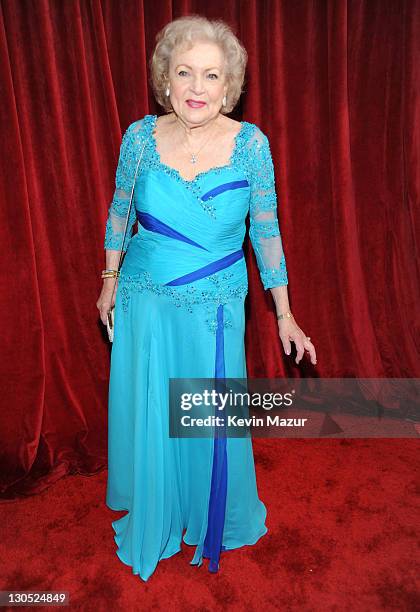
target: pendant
193 159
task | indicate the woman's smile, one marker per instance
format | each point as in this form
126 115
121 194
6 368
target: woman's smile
195 103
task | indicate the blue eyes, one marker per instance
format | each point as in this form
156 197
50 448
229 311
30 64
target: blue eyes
212 74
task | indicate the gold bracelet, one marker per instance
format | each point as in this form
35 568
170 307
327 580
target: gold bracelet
110 274
286 315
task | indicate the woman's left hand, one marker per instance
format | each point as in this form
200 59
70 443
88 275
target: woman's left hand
289 331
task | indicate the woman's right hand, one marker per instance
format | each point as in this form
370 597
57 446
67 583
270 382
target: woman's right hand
105 303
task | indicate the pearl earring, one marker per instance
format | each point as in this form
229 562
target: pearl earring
224 100
167 91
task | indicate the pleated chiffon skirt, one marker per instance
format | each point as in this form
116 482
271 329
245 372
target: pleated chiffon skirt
175 489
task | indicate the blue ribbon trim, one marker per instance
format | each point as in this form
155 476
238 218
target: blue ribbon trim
218 493
208 269
224 187
154 224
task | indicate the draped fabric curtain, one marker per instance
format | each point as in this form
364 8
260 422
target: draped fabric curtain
333 84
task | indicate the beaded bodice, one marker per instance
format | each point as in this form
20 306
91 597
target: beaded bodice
190 232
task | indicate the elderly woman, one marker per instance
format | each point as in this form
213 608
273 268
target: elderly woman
179 306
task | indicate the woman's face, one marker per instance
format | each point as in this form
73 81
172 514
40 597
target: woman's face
197 82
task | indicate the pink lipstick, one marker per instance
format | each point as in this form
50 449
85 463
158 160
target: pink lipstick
195 103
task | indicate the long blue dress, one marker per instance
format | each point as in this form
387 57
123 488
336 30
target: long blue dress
179 313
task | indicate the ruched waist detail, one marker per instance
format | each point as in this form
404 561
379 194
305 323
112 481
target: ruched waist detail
174 263
163 260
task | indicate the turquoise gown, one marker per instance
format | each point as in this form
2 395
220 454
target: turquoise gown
179 313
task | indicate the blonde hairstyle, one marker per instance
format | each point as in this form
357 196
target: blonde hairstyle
184 32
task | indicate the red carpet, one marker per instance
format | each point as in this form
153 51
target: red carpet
342 519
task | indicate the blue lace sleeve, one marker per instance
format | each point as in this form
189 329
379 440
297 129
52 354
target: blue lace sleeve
264 229
117 212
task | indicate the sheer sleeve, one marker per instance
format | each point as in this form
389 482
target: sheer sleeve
264 229
124 177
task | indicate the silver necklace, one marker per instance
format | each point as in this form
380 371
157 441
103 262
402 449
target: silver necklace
194 156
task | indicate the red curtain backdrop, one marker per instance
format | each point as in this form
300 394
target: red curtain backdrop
333 84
